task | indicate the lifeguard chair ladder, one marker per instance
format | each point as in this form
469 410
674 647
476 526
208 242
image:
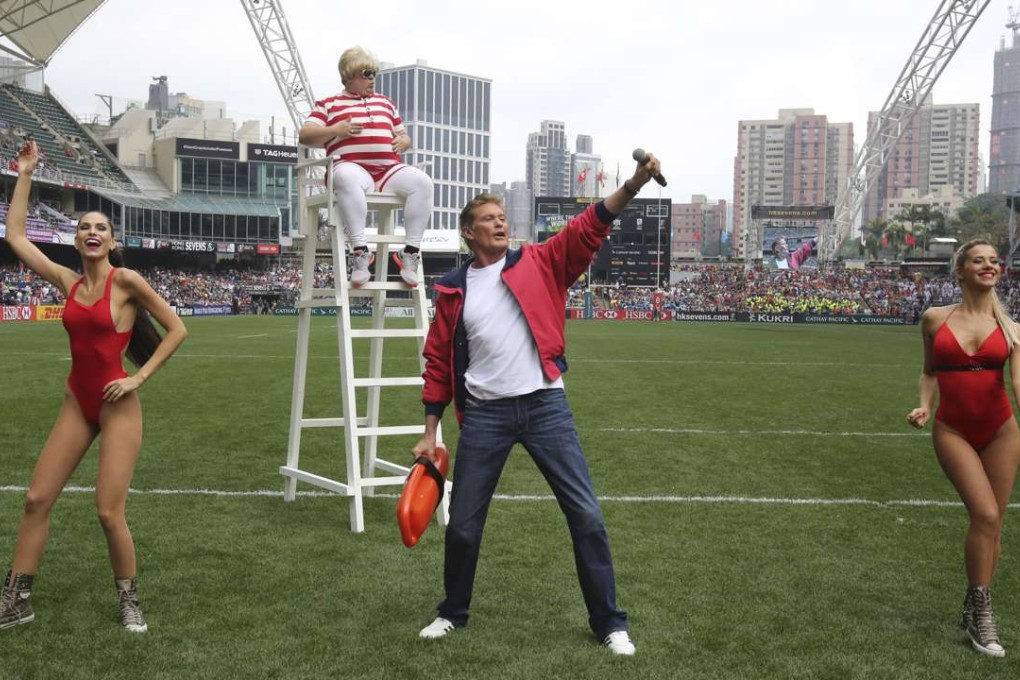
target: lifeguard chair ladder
365 470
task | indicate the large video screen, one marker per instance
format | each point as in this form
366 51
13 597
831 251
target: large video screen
795 238
636 253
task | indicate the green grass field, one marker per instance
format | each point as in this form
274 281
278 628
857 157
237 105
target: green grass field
770 512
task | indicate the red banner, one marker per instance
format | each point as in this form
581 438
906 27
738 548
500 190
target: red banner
18 313
268 249
632 314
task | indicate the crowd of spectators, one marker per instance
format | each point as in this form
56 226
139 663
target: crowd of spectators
247 289
878 290
706 288
734 288
41 217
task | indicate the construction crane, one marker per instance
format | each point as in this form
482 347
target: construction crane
1014 22
278 46
941 38
277 43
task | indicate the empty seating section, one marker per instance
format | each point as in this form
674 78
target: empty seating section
65 145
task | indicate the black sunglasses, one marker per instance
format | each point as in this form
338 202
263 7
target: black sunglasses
368 74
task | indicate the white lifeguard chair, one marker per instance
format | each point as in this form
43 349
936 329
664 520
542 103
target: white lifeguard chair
365 470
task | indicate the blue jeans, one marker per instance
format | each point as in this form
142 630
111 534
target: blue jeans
543 423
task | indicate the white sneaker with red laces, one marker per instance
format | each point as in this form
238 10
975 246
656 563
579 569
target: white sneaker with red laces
408 263
619 643
361 260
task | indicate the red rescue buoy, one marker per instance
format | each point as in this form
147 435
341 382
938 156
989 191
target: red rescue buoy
422 493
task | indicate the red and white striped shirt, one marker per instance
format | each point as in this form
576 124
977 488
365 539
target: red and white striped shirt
372 149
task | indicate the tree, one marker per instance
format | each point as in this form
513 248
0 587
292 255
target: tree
895 235
873 233
984 216
925 221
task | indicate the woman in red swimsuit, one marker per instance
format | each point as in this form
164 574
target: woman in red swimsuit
976 438
106 314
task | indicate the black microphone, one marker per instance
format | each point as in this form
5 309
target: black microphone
641 156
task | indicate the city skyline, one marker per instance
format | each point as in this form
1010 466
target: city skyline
449 115
671 78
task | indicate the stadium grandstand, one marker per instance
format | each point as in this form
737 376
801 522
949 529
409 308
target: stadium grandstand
181 189
702 289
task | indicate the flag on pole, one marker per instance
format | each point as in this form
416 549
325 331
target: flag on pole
601 177
583 175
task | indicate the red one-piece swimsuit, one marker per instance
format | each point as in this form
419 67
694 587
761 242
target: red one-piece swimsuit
97 349
972 393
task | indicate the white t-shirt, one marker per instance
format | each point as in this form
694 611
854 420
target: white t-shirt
503 356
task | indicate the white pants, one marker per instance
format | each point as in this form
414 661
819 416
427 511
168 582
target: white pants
351 183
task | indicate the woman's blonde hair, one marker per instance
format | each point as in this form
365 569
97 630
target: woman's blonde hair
1002 317
353 61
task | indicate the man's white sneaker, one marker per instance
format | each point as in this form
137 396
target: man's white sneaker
437 629
619 643
360 262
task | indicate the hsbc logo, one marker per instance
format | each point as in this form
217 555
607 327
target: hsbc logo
18 313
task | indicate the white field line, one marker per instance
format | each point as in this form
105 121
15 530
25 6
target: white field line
257 335
707 500
609 360
808 433
728 362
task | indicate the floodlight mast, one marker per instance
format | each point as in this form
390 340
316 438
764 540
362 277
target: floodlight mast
277 43
941 38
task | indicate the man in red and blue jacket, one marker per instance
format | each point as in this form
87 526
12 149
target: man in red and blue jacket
496 350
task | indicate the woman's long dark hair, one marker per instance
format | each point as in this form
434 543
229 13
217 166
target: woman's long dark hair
144 336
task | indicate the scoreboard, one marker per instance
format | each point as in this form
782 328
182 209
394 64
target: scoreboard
637 249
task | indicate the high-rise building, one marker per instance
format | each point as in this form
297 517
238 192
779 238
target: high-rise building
159 94
169 106
698 227
586 178
798 158
584 144
548 160
1004 149
447 116
517 202
937 156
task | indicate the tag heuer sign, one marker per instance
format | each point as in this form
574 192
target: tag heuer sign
269 153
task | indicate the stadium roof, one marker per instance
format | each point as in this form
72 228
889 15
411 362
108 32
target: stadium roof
196 203
39 27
